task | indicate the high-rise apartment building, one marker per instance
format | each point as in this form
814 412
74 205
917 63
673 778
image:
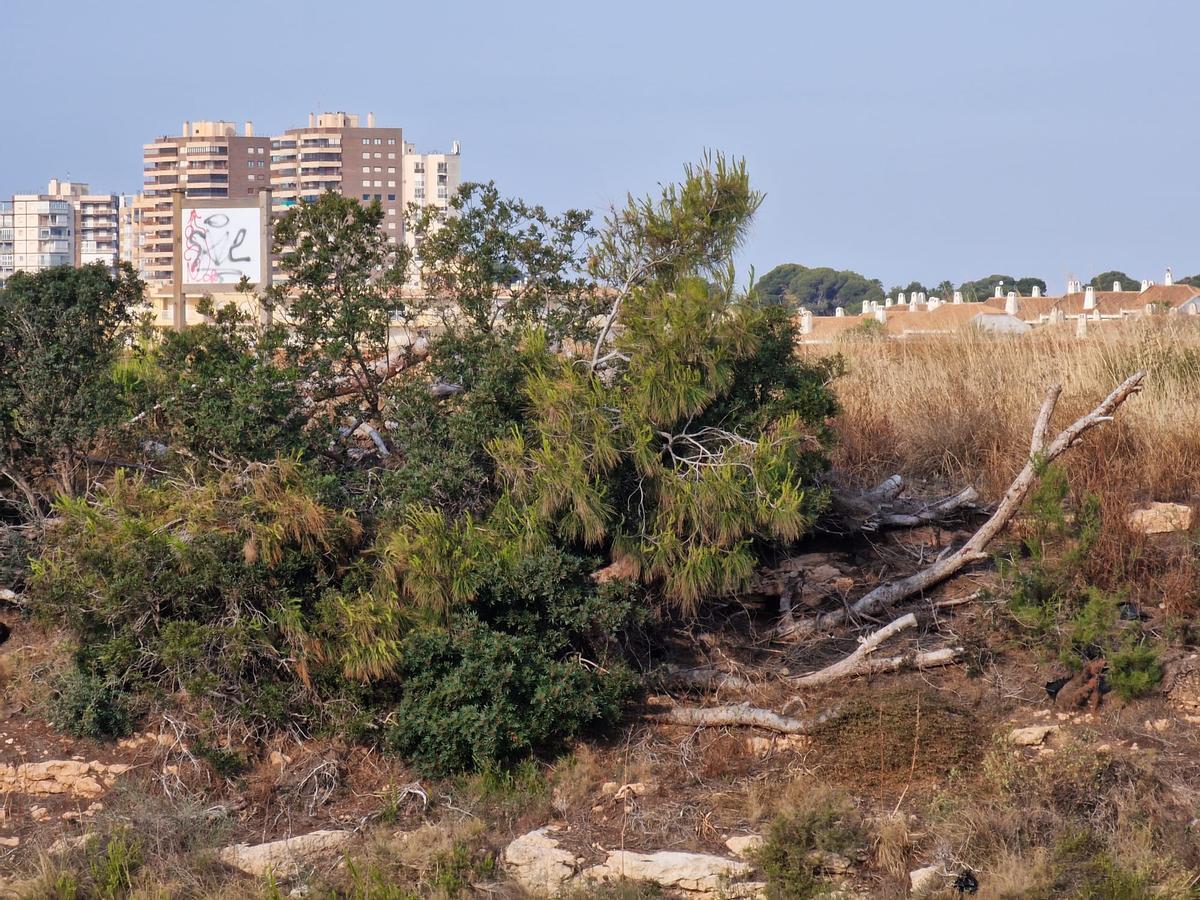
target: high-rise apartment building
43 233
208 159
336 152
96 231
6 240
66 226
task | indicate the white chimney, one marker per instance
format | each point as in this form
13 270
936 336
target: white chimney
806 322
958 297
935 302
1000 289
1037 291
1117 286
370 120
900 298
1168 279
187 129
888 302
312 121
1010 303
1081 326
1089 298
921 297
839 313
1145 285
912 304
455 146
249 128
881 316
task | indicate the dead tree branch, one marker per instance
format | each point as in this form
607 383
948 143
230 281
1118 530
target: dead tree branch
844 668
745 714
972 551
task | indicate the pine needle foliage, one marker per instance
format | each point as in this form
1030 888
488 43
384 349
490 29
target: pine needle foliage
689 441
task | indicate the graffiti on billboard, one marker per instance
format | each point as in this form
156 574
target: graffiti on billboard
221 245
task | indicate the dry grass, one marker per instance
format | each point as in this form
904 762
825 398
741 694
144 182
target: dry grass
960 408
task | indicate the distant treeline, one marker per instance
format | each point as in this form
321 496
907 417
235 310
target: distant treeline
822 289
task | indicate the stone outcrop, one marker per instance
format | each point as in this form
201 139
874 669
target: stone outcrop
1031 736
1160 518
285 858
538 864
693 874
544 868
60 776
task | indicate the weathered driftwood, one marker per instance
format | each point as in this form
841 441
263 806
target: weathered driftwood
745 714
860 662
882 507
1040 454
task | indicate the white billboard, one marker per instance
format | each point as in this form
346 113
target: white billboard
221 244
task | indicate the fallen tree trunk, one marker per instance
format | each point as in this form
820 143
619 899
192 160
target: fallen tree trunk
859 662
844 668
881 507
1040 455
745 714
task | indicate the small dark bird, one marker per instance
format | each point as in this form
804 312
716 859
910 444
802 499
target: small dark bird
440 390
966 883
5 631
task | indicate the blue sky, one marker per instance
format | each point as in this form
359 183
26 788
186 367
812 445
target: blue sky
906 140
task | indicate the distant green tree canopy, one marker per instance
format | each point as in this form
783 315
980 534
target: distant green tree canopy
983 288
820 290
1104 281
1192 280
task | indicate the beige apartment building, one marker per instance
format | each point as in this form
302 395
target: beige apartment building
207 159
66 226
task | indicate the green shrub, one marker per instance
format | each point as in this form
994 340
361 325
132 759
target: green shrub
1134 670
790 857
86 705
472 697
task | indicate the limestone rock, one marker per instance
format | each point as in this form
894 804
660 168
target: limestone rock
286 858
1160 518
538 864
76 778
742 845
694 874
925 881
1032 736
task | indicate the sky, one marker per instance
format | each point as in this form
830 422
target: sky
914 140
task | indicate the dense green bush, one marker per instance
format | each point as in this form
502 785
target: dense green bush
86 705
474 697
791 856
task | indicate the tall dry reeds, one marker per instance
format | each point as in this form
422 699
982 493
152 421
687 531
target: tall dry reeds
959 410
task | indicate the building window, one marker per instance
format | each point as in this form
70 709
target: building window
392 226
378 196
379 156
377 169
391 170
391 156
391 141
391 212
378 140
366 196
392 199
366 140
366 155
391 184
